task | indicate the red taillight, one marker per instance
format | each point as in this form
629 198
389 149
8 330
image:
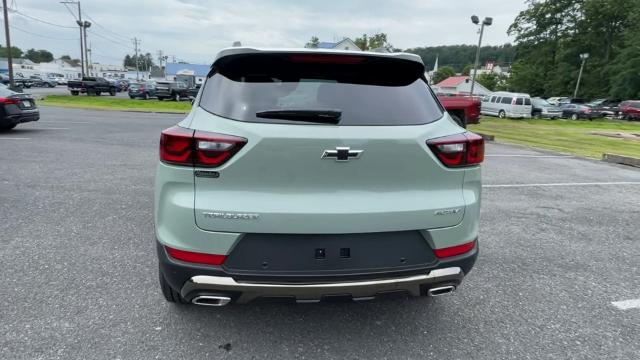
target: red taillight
194 257
180 146
458 150
326 59
455 250
9 101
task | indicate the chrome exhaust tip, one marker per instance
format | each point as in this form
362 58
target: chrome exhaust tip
211 300
442 290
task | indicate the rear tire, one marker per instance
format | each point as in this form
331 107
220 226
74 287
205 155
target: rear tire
502 114
112 92
132 97
146 96
537 115
75 93
575 117
7 127
176 97
160 98
98 93
169 294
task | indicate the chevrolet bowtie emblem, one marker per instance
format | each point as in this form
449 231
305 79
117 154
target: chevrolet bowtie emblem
341 154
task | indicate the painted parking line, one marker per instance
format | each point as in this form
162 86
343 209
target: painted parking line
627 304
63 122
530 156
14 138
50 128
562 184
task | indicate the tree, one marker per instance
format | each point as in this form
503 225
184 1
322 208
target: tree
38 56
378 40
488 80
443 73
15 52
460 56
145 62
466 71
68 59
313 43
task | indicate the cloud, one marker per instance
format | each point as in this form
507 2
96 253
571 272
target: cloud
194 30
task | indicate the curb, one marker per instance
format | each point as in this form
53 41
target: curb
120 110
619 159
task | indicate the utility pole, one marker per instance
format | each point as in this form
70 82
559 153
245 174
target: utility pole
136 42
85 25
89 56
584 58
8 38
81 25
486 22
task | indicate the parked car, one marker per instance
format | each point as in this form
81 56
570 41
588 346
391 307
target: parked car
579 111
58 79
507 104
193 91
266 188
38 81
124 84
22 81
91 86
171 90
16 108
630 110
142 90
608 107
558 101
463 109
541 108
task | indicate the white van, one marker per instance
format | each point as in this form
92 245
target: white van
507 104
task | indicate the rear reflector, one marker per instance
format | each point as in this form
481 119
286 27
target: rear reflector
180 146
194 257
455 250
458 150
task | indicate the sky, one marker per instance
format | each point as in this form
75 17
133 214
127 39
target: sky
195 30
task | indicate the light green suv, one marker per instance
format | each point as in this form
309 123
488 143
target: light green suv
311 174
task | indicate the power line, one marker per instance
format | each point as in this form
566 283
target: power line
70 12
39 35
104 28
42 21
111 40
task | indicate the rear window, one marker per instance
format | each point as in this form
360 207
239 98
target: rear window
366 90
506 100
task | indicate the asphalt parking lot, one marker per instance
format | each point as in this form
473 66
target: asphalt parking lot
559 244
62 90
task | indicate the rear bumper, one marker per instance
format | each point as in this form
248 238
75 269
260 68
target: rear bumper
20 118
202 280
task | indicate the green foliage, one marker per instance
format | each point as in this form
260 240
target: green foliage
460 56
144 64
466 71
15 52
489 80
73 62
443 73
378 40
313 43
551 34
38 56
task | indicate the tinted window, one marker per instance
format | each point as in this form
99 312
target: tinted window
493 99
367 91
527 101
519 101
506 100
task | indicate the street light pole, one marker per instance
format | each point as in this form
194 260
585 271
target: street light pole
584 58
486 22
80 24
8 39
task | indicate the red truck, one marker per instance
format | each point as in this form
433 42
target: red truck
630 109
463 109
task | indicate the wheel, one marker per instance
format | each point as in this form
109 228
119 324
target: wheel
91 92
131 97
112 91
176 97
146 96
160 98
574 117
7 127
502 114
75 93
51 85
537 115
458 121
98 93
169 294
28 86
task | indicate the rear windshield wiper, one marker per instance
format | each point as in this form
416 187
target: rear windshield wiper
317 116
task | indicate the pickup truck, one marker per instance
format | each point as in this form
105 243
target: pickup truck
462 108
91 86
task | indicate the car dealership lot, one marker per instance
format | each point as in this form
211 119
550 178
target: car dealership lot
559 244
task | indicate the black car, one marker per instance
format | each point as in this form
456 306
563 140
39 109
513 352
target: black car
543 109
172 90
16 108
142 90
578 111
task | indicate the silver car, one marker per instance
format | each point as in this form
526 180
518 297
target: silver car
312 174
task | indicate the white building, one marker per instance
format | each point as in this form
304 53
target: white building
460 85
